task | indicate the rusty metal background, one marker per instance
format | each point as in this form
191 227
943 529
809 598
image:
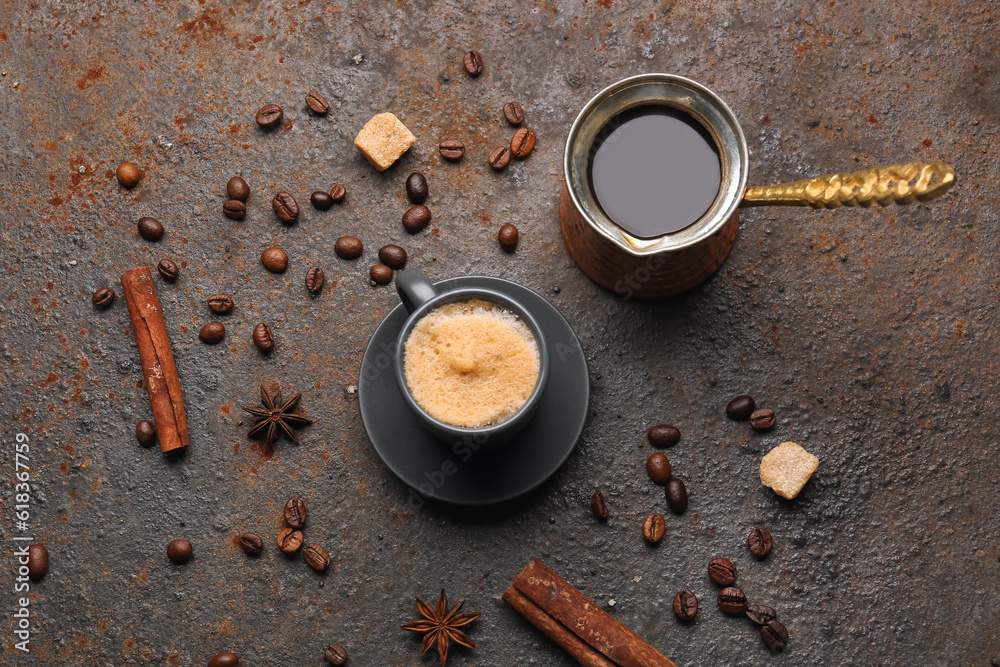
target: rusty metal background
872 333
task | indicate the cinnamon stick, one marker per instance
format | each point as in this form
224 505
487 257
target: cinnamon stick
162 382
577 623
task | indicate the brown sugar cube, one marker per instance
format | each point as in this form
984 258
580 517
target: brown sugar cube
383 139
787 468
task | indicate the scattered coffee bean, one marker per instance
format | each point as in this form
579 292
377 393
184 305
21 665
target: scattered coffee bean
732 600
740 408
762 419
416 218
321 201
234 209
685 606
677 495
103 298
499 158
179 551
523 142
658 468
212 333
416 188
337 193
663 435
38 561
275 260
251 543
774 635
317 103
150 229
653 527
760 614
168 270
262 337
722 571
760 542
295 512
285 207
473 62
335 654
452 149
316 557
380 274
598 505
289 540
348 247
224 659
238 189
513 112
315 279
392 256
269 115
145 433
508 237
127 175
220 303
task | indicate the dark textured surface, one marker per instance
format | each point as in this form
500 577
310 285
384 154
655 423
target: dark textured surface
871 333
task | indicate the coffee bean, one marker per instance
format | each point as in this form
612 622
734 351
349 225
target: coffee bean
150 229
392 256
127 175
335 654
234 209
167 268
380 274
760 542
740 408
317 103
337 193
473 62
722 571
38 561
658 468
452 149
285 207
251 543
598 505
416 188
499 158
103 298
269 115
663 435
523 142
653 527
762 419
760 614
348 247
732 600
416 218
513 112
677 495
262 337
316 557
212 333
321 201
238 189
774 635
289 540
220 303
224 659
315 279
295 512
508 236
145 433
685 606
179 551
275 260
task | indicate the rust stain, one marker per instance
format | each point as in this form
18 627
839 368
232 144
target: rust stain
92 75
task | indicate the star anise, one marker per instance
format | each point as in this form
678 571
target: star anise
441 626
276 417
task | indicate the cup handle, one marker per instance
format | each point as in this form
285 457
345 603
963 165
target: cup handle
414 289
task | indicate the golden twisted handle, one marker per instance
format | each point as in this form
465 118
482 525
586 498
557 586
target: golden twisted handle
879 186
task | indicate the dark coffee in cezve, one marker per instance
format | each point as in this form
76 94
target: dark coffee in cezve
654 170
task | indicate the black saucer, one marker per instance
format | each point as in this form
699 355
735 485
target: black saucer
457 473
